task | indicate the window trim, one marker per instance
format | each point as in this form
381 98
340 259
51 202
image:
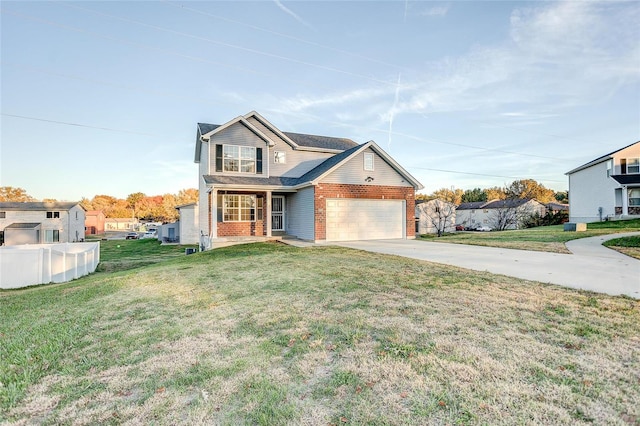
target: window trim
369 158
227 212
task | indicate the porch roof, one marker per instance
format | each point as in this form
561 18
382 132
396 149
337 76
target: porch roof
627 179
250 180
29 225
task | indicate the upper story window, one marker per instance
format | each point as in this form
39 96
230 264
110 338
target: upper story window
238 159
279 157
633 165
368 161
53 215
3 215
609 167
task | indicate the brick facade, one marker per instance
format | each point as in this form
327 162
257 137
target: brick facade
239 229
372 192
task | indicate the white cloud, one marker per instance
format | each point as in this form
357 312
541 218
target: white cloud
557 55
435 11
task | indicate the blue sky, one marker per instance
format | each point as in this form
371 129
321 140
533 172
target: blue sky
104 97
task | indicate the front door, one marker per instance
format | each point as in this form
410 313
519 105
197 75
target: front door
277 213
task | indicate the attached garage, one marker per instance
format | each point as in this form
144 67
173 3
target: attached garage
363 219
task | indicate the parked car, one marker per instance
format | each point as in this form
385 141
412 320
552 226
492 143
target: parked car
149 234
483 228
132 236
460 228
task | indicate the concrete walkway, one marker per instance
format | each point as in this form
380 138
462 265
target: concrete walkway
591 266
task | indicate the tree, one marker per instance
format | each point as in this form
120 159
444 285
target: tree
187 196
133 200
436 214
9 193
475 194
451 195
530 189
562 197
495 193
509 214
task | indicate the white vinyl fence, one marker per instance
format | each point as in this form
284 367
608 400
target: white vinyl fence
32 264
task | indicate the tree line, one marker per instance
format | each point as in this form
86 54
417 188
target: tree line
155 208
523 188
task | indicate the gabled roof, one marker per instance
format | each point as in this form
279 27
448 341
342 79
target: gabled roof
38 206
495 204
599 159
296 140
473 205
30 225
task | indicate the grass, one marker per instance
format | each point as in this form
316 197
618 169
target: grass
270 334
627 245
544 238
119 255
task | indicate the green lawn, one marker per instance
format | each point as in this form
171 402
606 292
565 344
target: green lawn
543 238
271 334
119 255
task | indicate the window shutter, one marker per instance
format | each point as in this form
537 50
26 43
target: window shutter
218 158
259 161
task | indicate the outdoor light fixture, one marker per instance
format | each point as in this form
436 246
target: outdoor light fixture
368 179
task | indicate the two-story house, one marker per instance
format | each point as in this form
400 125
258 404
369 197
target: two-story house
498 214
256 180
39 222
607 187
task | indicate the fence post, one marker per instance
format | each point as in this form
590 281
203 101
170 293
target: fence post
40 264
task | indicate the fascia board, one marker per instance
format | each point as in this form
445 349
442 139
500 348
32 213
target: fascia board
271 127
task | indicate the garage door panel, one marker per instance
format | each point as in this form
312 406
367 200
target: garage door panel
357 219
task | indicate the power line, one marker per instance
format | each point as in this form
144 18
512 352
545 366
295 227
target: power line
66 123
479 174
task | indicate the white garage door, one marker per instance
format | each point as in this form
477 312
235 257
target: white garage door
358 219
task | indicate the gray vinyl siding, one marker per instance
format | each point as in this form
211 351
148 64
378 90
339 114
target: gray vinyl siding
238 134
299 214
298 162
353 172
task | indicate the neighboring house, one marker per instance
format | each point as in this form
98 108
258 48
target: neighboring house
435 217
607 187
121 224
39 222
169 232
256 180
557 207
498 214
189 229
94 222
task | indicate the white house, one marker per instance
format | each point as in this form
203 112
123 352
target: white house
498 214
435 216
39 222
607 187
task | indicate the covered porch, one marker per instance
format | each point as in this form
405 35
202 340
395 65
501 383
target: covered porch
627 197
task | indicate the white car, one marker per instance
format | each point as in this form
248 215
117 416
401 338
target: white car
149 234
483 228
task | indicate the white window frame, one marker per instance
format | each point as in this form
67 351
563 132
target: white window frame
633 191
279 157
635 166
368 162
243 157
51 235
234 208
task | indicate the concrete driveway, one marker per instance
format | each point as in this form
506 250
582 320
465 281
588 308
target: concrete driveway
591 266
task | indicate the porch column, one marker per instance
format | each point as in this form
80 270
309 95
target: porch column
625 201
268 218
214 213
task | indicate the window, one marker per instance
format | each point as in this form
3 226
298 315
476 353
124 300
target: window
368 161
51 236
239 208
633 165
259 206
279 157
634 197
239 159
53 215
609 167
3 215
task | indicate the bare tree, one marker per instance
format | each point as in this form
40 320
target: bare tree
509 214
437 215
